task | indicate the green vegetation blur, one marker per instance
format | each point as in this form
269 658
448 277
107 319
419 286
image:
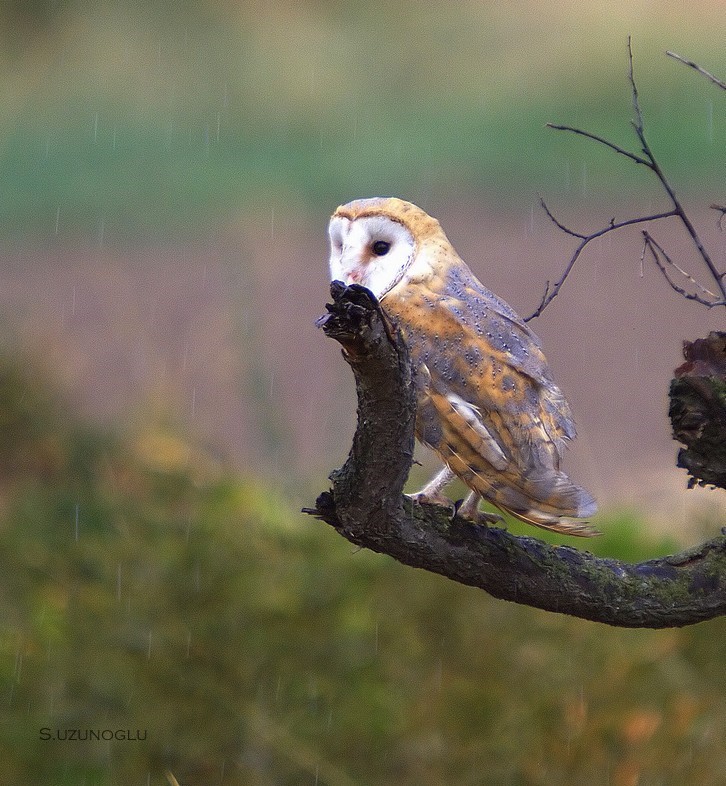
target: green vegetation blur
130 119
148 592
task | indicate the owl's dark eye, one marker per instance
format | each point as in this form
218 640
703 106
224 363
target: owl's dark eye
381 248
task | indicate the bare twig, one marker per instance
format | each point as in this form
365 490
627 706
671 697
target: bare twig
657 251
721 209
551 292
602 141
648 160
636 102
698 68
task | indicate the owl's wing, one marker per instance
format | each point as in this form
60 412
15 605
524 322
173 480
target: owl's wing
489 406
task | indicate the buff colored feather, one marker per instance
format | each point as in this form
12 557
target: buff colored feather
487 402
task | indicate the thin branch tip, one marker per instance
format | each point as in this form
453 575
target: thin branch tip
718 82
648 160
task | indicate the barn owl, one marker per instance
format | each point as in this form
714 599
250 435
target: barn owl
486 400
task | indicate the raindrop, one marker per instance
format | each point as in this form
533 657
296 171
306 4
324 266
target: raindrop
95 128
584 179
148 648
113 139
73 302
57 219
194 401
77 512
118 582
189 643
101 230
709 124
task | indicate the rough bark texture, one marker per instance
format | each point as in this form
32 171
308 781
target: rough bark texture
698 410
366 505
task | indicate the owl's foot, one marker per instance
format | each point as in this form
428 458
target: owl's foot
423 498
431 493
469 509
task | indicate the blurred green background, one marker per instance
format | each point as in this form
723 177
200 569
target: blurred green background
166 170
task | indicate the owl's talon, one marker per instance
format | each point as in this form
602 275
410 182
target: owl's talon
485 518
468 509
423 498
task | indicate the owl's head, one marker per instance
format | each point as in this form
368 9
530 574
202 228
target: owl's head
378 243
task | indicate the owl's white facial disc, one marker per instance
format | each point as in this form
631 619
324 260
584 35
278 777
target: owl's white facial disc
373 251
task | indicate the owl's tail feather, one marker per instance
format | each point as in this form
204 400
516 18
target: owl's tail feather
561 524
548 500
556 504
534 490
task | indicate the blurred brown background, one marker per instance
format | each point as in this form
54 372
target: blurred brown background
220 335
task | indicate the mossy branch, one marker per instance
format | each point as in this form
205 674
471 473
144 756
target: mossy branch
366 505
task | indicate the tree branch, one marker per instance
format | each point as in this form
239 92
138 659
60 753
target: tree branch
366 505
698 68
648 160
551 292
657 251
